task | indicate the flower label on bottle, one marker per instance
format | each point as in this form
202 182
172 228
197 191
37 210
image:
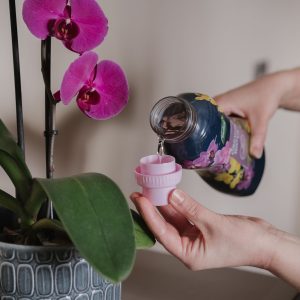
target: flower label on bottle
239 141
215 145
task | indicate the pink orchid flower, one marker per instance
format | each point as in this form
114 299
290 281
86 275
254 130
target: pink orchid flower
80 24
222 159
205 158
222 156
247 178
101 89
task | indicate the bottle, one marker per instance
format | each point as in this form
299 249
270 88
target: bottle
196 132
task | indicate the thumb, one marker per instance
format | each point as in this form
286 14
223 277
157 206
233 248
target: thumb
190 208
259 128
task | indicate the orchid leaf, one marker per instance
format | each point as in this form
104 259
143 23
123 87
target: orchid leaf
13 163
43 224
97 218
144 238
49 232
9 202
35 200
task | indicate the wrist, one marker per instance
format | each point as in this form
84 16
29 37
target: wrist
283 85
267 248
290 85
285 253
286 261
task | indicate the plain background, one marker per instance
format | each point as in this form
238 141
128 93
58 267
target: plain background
166 47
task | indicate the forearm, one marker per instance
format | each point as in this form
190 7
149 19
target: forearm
285 262
291 97
275 250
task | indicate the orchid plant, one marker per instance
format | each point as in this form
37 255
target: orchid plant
92 213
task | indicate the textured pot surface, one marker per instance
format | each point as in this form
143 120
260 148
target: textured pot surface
31 272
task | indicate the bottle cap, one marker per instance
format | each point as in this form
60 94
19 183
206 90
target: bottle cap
158 176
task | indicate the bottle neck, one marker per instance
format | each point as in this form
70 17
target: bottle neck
173 119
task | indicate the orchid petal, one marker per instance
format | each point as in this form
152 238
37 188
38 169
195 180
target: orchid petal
38 13
111 84
203 160
222 156
212 147
92 22
77 74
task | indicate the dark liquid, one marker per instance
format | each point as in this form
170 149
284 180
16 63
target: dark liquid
173 121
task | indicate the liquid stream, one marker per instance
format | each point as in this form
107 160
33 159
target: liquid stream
160 148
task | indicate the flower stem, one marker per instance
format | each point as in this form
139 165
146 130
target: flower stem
50 109
17 76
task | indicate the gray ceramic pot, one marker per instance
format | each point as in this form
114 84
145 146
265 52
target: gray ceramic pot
31 272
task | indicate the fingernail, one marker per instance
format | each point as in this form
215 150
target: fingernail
177 196
135 196
256 152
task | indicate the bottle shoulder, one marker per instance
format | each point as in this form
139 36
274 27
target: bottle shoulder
211 122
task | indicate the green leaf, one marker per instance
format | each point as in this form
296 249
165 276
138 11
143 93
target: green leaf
48 232
97 218
42 224
144 238
13 163
35 200
11 203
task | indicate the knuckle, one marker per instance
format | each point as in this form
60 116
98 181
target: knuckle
194 211
162 232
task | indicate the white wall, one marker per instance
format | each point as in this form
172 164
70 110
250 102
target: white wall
167 47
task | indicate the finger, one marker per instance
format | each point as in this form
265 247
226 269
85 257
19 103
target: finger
228 105
164 232
259 128
190 208
175 218
224 104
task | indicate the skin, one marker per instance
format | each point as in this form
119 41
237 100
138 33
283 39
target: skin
258 101
203 239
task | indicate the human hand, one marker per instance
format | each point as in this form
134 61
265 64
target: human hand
202 239
257 101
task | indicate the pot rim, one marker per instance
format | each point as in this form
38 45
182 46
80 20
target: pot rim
34 248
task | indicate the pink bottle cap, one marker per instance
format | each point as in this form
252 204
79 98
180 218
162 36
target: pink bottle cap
158 176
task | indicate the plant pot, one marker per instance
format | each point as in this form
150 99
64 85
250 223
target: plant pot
39 272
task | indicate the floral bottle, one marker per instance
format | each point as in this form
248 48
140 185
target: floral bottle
201 137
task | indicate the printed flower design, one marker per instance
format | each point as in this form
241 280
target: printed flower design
217 159
205 159
223 155
101 89
233 176
80 24
221 161
247 178
203 97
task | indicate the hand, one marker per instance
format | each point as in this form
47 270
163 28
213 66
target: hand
257 101
202 239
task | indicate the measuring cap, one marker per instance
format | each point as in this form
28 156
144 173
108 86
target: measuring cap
158 176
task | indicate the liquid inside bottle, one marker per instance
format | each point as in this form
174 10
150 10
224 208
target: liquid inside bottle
201 137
